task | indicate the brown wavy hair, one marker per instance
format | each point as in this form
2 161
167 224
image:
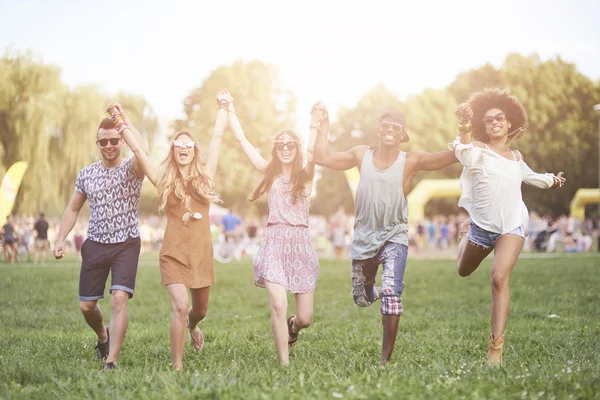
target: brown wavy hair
500 98
299 175
171 181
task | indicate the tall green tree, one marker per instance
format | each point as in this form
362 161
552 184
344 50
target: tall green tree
263 108
53 129
562 129
31 110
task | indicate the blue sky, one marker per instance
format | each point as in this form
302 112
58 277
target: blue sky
329 50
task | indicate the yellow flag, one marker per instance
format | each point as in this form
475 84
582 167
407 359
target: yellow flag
10 187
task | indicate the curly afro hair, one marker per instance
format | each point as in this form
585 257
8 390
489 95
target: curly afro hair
481 102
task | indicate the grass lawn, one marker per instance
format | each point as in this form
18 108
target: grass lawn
552 345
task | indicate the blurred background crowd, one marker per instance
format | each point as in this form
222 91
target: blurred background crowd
434 236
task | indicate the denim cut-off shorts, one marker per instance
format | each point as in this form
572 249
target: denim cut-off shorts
487 239
392 257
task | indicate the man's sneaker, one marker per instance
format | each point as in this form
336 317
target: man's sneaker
110 365
377 290
102 348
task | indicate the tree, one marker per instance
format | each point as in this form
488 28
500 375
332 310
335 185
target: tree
31 110
263 108
561 132
53 129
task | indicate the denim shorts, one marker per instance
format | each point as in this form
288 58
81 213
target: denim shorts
392 257
487 239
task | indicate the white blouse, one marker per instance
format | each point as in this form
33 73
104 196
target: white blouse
491 187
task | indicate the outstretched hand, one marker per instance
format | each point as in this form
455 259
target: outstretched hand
559 181
319 113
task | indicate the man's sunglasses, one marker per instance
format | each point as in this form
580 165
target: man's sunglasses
488 119
183 144
104 142
385 125
281 146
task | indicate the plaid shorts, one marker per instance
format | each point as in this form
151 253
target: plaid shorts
392 256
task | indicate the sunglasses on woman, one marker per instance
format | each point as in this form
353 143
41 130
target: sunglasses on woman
184 144
187 216
385 125
104 142
289 145
488 119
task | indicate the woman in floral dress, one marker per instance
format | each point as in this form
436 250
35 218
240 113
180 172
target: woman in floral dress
286 259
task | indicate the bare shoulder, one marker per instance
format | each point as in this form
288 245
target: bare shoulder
415 154
519 155
359 150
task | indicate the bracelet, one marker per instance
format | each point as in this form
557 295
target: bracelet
317 127
465 128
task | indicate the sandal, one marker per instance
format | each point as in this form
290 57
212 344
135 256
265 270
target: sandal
293 337
196 336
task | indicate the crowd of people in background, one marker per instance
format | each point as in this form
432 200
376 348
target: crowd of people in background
436 235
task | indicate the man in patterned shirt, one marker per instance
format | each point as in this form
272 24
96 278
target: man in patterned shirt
112 187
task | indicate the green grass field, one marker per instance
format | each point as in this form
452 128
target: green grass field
552 345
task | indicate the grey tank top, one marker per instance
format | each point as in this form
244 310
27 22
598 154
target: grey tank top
381 208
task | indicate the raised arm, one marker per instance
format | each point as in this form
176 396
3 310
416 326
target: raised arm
224 100
465 150
253 155
433 161
339 161
465 115
136 134
319 120
141 162
68 221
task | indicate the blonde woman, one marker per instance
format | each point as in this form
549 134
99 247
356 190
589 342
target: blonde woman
286 260
185 189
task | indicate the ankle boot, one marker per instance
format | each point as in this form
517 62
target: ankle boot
495 351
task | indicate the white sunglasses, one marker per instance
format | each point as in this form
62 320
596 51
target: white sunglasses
184 144
186 217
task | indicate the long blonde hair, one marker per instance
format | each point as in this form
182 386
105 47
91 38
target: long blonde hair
171 181
273 170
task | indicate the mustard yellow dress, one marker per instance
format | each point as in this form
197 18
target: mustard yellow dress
186 253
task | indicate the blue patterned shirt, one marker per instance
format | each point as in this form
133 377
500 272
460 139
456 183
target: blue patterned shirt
114 196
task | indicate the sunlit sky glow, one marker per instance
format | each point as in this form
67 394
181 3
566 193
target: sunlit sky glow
330 50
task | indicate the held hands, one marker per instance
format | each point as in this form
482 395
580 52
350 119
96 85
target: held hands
225 100
118 116
559 181
464 114
319 115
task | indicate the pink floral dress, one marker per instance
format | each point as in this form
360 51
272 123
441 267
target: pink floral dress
286 255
